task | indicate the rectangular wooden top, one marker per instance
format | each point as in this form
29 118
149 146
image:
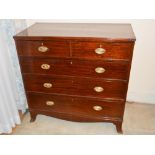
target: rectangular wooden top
93 31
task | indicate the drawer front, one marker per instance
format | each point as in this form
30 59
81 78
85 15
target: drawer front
45 66
99 69
75 86
102 50
73 67
75 105
43 48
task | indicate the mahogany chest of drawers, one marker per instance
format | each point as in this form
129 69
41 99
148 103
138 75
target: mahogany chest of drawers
77 72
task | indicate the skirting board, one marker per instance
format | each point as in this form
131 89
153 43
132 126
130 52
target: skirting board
141 97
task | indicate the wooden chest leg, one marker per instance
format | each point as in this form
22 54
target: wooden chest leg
33 116
119 127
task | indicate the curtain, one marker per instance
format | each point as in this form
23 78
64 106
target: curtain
12 95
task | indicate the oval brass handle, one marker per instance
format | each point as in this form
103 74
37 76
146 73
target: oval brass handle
45 66
99 70
47 85
98 89
43 48
97 108
100 50
50 103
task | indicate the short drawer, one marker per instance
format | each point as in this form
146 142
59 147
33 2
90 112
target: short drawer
75 86
43 48
75 105
97 50
35 65
74 67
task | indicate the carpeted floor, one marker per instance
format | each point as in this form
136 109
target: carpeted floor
139 119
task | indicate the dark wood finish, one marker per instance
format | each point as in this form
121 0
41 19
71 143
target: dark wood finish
77 118
113 50
72 59
75 105
75 67
75 86
119 126
78 31
56 49
33 116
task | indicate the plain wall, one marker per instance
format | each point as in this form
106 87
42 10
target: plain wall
142 77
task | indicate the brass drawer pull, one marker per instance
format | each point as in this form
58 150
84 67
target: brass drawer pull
45 66
100 50
99 70
98 89
47 85
50 103
43 48
97 108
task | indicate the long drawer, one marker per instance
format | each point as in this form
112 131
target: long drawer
75 67
92 87
75 105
